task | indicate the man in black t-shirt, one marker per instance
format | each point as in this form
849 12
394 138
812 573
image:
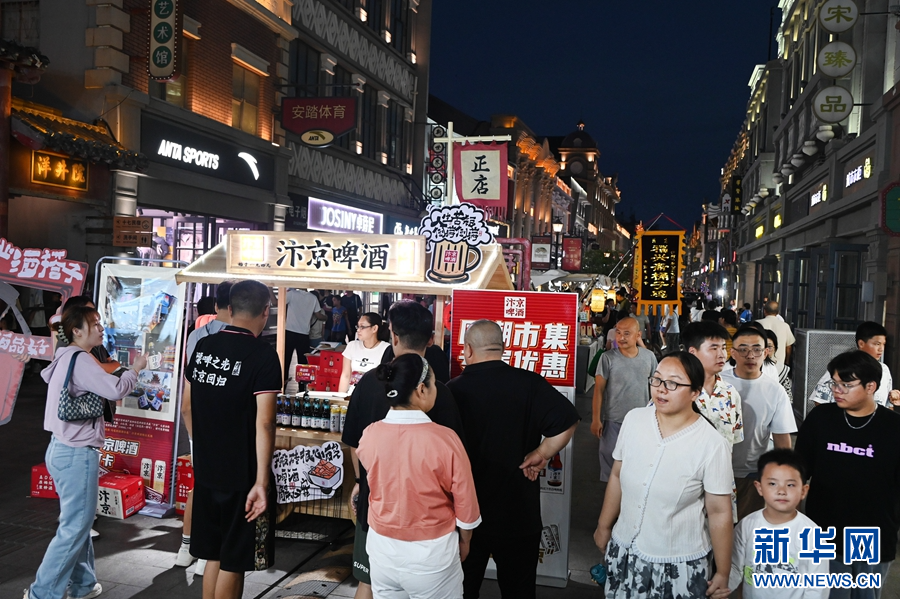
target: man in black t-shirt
411 329
229 407
505 412
852 449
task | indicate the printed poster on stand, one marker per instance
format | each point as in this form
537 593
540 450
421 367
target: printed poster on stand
142 311
540 333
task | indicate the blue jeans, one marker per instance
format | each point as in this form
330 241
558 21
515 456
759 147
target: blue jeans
69 560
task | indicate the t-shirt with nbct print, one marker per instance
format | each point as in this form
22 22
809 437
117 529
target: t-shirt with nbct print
854 468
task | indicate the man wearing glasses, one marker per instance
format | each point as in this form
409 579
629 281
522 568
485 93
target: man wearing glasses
852 451
766 412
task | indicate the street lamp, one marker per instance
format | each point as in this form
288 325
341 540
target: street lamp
557 229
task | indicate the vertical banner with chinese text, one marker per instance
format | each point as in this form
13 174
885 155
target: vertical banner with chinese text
142 310
572 253
658 265
481 176
540 333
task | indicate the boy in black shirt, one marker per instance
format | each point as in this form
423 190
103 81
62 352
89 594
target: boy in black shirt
852 448
229 407
411 329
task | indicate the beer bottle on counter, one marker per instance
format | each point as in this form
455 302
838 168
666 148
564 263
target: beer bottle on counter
296 411
279 409
307 412
317 414
555 471
325 418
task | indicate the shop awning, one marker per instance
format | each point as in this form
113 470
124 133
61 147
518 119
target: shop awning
491 274
40 129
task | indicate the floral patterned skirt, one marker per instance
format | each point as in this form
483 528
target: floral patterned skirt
630 577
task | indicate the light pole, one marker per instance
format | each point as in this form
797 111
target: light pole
557 229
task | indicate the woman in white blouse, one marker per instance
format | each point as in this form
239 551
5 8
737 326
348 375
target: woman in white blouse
672 470
365 352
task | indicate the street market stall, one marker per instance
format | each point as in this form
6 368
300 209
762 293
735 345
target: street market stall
309 463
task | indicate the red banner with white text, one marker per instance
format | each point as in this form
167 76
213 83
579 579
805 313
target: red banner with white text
540 330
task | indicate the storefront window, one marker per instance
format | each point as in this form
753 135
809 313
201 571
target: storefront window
398 25
396 138
369 112
304 69
375 9
174 92
244 100
848 289
343 79
21 22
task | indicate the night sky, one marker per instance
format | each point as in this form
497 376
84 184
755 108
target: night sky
661 86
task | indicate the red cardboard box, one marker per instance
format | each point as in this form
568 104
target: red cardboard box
41 483
120 495
184 481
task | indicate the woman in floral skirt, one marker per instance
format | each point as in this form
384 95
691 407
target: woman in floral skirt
666 515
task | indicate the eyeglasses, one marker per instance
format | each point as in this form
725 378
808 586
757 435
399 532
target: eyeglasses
841 387
360 327
744 351
655 381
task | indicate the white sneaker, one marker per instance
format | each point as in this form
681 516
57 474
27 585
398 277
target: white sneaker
95 592
94 535
184 557
200 568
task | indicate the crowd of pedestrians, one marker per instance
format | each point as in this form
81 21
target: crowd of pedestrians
695 449
697 473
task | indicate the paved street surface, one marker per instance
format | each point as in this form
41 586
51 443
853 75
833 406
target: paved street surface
135 557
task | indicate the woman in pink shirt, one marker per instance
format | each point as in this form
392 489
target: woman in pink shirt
421 491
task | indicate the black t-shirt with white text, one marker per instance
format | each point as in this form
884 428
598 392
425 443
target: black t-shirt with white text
227 371
505 411
369 404
854 472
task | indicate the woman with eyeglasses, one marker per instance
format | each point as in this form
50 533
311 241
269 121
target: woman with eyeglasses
421 491
365 352
670 467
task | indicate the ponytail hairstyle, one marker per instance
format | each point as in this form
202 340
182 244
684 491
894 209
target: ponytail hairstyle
76 301
401 377
77 318
375 320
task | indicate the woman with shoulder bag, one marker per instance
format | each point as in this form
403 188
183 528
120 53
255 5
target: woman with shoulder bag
76 385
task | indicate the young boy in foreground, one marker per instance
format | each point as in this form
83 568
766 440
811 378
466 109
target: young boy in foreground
782 486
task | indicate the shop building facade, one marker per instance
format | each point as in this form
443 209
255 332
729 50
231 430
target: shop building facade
807 231
217 156
375 53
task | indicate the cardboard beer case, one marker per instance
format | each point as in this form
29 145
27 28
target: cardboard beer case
42 483
120 495
184 481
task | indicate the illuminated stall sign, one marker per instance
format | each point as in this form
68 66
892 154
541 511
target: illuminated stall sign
659 266
337 218
319 121
326 255
857 171
59 170
539 329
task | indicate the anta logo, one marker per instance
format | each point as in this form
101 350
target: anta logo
844 448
